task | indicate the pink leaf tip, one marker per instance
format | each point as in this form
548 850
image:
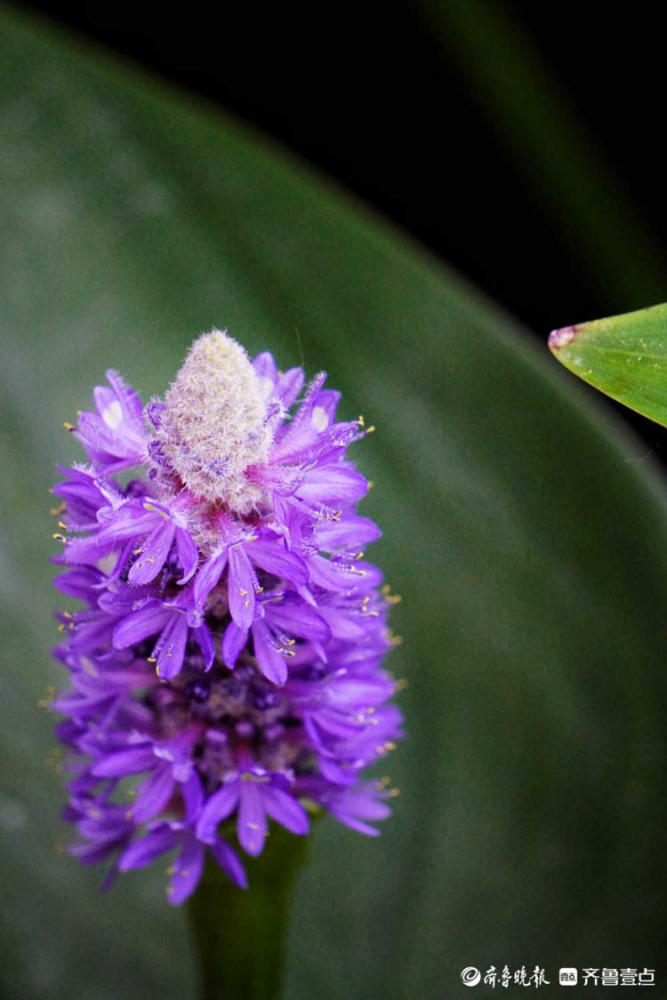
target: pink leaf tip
560 338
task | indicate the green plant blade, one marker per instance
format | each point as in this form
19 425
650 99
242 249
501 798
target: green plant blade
529 550
624 356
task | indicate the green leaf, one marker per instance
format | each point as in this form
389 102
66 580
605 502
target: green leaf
624 356
528 543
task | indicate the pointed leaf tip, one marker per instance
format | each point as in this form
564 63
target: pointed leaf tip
560 338
622 356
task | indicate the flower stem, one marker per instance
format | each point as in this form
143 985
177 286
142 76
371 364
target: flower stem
240 936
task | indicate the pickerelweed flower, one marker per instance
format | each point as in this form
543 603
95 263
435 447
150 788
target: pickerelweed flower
226 669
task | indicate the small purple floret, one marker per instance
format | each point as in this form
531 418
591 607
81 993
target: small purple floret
226 668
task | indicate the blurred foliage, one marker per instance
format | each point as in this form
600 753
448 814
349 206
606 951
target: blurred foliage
526 534
623 356
558 157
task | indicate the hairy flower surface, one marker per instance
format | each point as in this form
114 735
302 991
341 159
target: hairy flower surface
226 669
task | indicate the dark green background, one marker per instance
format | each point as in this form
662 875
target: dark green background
527 537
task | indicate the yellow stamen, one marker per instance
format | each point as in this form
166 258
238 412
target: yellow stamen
48 697
389 597
156 510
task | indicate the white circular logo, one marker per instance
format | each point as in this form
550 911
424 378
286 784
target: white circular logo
470 976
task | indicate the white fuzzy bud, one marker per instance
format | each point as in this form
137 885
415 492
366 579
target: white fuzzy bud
214 424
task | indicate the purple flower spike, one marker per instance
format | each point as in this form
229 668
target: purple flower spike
226 666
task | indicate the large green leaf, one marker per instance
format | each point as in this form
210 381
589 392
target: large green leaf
623 356
527 542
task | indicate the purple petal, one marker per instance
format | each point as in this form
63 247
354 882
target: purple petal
229 862
128 521
170 647
140 624
84 496
370 807
356 824
96 851
307 403
241 587
355 692
352 806
99 440
290 385
193 796
89 550
281 479
202 635
105 398
331 484
109 825
317 444
154 552
129 400
269 660
274 558
343 625
221 804
328 400
153 794
143 852
187 872
115 436
93 629
188 555
122 762
284 808
334 575
348 532
298 618
265 367
207 577
81 583
233 642
251 824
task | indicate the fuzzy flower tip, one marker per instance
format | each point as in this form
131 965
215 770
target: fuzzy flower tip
226 669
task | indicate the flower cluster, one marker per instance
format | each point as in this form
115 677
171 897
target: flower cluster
227 666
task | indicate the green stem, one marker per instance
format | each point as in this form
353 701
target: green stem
240 936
